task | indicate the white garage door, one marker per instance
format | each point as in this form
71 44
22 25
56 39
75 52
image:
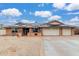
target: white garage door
52 31
66 31
2 32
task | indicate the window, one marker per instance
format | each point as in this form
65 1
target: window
14 30
35 30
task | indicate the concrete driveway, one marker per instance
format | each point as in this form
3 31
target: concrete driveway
39 46
61 46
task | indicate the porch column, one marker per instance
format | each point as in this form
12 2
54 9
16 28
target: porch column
72 31
41 29
30 31
20 31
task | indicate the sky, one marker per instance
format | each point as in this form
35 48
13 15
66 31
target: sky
11 13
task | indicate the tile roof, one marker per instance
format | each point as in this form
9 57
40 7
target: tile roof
20 24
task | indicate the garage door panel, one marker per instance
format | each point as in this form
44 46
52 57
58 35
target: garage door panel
2 32
50 31
66 31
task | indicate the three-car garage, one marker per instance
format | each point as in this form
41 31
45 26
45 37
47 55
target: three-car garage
56 31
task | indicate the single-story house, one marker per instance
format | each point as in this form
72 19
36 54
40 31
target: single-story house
52 28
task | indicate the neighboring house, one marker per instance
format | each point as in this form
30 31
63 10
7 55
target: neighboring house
48 29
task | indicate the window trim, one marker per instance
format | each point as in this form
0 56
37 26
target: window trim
14 30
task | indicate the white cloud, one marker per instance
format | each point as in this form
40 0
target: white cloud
27 21
73 13
72 7
43 13
12 21
9 21
54 17
74 21
59 5
11 12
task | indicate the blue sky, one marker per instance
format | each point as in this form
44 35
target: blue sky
11 13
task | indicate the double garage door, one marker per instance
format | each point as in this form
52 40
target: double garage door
56 31
51 31
2 32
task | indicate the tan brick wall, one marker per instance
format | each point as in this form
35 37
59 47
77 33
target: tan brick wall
8 31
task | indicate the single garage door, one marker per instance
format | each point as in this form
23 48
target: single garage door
66 31
2 32
53 31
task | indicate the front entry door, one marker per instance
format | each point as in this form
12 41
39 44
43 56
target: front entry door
25 31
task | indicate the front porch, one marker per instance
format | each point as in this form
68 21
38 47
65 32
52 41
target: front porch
23 31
